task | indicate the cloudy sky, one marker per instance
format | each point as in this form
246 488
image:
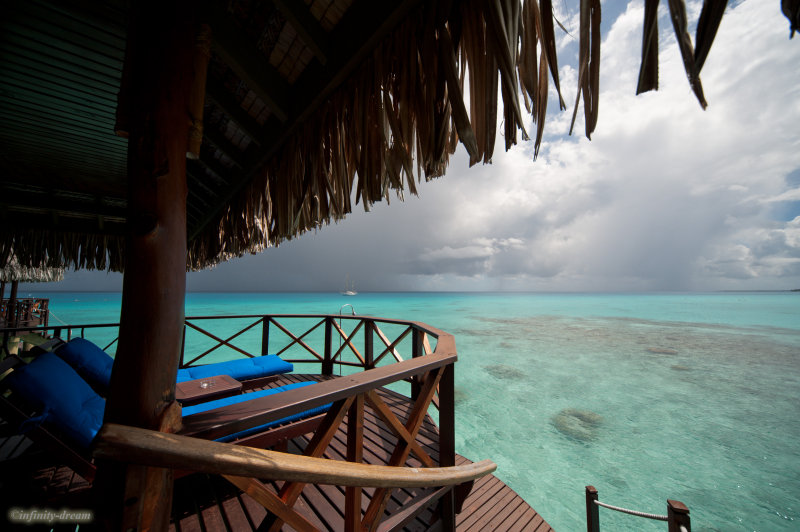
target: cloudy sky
665 196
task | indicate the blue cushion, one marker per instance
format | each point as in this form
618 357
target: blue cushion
61 395
240 369
203 407
91 362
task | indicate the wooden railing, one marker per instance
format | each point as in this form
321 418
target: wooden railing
371 353
24 312
298 343
677 517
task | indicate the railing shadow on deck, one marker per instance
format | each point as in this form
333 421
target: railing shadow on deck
372 353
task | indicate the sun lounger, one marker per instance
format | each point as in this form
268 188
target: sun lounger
48 393
94 365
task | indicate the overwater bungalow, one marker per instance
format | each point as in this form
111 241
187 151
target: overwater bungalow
155 137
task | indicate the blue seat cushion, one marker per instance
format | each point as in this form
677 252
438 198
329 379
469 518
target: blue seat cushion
61 396
91 362
204 407
240 369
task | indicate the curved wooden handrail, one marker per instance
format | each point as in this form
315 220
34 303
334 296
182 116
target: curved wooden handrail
159 449
230 419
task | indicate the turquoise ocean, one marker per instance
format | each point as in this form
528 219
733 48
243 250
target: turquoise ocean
687 396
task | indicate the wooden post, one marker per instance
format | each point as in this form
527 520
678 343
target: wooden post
416 351
369 327
158 78
265 336
678 517
447 442
183 345
355 453
11 320
592 510
327 363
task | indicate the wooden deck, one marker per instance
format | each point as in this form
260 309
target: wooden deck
210 503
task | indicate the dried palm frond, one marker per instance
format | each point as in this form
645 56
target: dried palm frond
791 9
648 72
677 10
588 65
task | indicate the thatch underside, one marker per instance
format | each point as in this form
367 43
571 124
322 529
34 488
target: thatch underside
13 271
396 119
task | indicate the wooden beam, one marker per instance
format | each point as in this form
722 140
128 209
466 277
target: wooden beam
355 454
215 137
216 92
306 26
234 418
75 204
149 447
247 61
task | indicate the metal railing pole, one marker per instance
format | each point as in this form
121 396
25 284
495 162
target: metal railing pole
592 510
678 517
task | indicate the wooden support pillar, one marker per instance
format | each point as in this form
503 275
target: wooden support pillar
153 109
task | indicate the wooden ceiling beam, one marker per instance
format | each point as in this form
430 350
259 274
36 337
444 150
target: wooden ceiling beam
221 175
224 145
306 26
63 223
216 92
247 61
21 200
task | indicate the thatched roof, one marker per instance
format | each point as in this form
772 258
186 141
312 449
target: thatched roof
14 272
308 104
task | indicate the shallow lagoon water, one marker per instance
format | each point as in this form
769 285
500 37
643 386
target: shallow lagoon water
694 397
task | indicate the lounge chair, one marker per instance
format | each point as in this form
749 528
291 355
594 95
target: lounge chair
94 365
48 393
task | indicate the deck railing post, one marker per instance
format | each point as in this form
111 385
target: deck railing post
265 336
447 441
355 453
592 510
327 363
369 328
416 351
183 344
678 517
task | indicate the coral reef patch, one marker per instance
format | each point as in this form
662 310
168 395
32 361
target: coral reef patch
662 351
504 372
581 425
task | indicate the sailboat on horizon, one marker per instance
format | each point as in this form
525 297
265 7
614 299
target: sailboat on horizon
349 288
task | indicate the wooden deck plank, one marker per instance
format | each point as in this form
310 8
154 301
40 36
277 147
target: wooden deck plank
494 513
